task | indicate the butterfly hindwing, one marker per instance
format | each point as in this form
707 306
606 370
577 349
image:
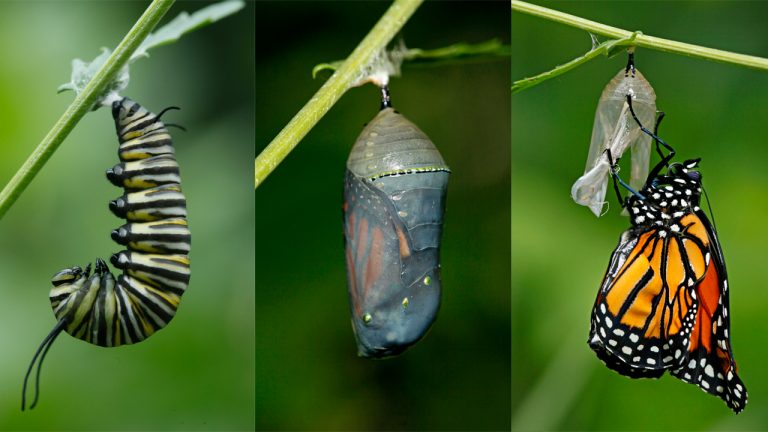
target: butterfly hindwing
710 364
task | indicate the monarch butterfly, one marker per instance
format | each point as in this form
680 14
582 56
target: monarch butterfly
663 303
108 312
614 129
394 200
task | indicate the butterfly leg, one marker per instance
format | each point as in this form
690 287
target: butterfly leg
665 159
618 181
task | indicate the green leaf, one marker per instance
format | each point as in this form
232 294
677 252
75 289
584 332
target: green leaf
82 72
461 51
325 66
185 23
491 49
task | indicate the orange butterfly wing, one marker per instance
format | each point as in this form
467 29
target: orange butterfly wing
710 364
660 307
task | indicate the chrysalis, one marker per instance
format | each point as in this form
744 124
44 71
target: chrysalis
394 198
615 129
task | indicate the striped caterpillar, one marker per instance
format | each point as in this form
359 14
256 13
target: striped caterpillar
107 311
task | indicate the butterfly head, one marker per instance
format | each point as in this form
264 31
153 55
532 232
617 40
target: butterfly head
667 198
686 171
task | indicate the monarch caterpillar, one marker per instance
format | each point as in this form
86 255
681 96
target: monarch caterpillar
615 129
108 312
394 200
663 304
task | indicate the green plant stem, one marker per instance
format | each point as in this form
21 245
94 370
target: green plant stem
603 48
376 40
82 104
642 40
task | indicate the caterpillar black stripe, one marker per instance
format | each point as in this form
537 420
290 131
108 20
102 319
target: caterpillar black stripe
96 307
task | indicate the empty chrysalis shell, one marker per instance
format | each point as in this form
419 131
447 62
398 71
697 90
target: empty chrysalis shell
615 129
394 198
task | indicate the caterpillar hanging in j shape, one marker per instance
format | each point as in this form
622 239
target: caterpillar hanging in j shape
107 311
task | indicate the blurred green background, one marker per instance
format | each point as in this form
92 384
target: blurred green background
197 373
560 250
308 375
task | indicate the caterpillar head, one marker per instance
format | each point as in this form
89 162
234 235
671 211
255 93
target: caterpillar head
70 275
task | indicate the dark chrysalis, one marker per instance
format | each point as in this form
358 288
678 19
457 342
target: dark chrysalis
394 199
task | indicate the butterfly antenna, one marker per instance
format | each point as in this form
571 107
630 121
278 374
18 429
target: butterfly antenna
709 207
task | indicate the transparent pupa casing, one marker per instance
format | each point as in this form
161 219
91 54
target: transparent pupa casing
615 129
394 200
